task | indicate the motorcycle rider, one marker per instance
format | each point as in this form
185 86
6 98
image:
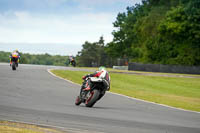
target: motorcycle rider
72 61
14 55
101 73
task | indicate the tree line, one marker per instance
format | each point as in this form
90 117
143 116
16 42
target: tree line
94 54
40 59
155 31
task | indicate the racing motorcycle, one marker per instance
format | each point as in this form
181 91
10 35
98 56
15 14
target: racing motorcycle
98 88
73 63
14 61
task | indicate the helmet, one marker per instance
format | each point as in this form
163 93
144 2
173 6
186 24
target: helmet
102 68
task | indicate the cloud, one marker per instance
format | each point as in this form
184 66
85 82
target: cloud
84 22
55 2
102 2
60 6
74 29
104 5
66 22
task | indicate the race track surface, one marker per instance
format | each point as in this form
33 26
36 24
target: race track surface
31 94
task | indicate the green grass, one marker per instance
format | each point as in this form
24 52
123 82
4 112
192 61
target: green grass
140 72
13 127
177 92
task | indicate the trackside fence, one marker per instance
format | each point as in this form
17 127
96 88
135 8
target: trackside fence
164 68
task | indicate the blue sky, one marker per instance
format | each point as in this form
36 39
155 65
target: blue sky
30 25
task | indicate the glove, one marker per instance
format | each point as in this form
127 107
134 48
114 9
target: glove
84 77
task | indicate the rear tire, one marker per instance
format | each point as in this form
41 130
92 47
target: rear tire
94 95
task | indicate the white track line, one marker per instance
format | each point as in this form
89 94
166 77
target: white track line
49 70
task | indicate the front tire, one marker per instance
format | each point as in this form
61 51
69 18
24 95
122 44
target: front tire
93 97
78 101
74 64
13 66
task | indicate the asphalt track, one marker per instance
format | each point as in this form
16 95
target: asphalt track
31 94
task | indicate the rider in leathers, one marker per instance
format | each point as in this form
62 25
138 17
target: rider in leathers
102 73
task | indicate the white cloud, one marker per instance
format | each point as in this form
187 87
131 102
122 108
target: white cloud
20 14
61 22
55 3
119 5
104 2
74 29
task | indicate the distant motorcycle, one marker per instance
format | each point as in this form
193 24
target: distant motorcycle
14 61
99 86
73 63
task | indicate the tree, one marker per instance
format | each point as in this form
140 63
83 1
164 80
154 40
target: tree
93 54
158 31
181 29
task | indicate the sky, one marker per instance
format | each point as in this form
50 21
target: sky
57 26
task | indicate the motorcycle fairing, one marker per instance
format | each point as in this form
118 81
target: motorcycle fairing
95 79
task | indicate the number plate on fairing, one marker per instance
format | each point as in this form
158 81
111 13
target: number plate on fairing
94 79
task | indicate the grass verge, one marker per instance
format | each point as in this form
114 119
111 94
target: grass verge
13 127
177 92
142 72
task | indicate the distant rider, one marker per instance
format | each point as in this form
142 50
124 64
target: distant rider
72 61
15 56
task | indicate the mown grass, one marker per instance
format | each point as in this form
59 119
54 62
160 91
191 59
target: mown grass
7 129
177 92
13 127
142 72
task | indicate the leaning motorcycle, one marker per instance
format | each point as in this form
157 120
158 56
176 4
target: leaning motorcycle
98 88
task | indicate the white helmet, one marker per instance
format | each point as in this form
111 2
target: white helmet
102 68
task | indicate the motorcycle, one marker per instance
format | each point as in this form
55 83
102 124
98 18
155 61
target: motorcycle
73 63
14 62
99 86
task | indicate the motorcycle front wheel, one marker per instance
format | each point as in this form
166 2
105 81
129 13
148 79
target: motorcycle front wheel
92 97
78 101
13 66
